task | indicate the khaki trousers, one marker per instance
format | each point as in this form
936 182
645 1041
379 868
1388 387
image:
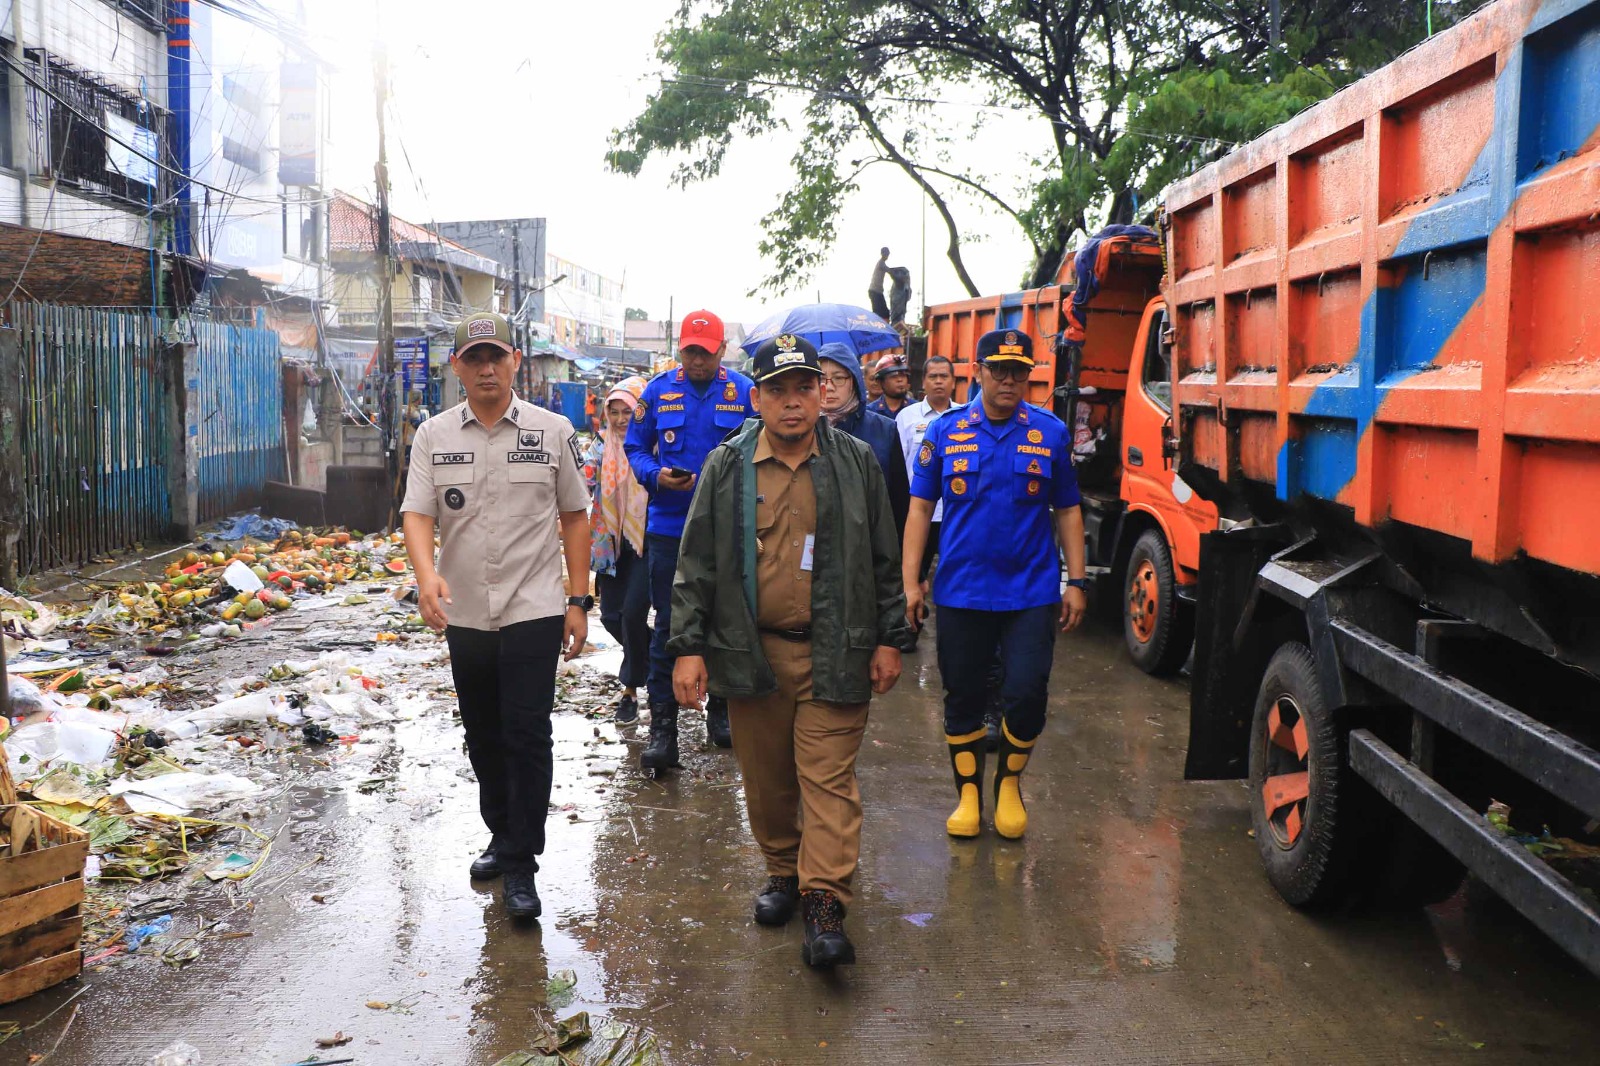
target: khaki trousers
798 758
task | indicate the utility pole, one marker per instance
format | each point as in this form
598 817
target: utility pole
672 320
387 408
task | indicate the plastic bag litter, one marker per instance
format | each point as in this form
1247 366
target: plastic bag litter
33 618
27 698
241 577
252 525
252 709
49 742
180 1053
352 705
183 793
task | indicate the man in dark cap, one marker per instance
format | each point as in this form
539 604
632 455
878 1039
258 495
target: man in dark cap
788 602
997 464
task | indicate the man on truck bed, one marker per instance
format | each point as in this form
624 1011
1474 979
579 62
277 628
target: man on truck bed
998 464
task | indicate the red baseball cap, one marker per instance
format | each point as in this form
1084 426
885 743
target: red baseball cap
701 329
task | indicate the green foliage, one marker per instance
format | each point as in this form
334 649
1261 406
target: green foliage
1129 94
636 314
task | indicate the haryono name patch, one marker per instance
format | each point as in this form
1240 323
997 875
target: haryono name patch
451 458
528 457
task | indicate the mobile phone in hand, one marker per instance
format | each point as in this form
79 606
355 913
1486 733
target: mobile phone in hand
678 471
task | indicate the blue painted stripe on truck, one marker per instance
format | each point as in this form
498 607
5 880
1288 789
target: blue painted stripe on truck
1547 108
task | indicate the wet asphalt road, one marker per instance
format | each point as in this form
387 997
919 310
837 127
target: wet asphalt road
1132 926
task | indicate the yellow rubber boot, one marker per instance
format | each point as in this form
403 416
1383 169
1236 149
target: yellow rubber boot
966 759
1010 816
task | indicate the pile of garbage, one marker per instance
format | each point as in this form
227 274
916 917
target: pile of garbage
160 762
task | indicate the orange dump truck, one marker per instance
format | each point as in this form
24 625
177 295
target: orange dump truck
1386 376
1105 371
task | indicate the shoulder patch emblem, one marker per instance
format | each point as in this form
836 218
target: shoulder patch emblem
1035 437
640 411
577 452
925 453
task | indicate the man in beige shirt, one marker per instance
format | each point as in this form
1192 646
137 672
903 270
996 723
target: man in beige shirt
502 479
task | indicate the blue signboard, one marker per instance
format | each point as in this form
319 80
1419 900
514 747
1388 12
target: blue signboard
411 355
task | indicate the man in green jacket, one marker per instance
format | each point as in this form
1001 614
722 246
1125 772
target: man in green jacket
788 602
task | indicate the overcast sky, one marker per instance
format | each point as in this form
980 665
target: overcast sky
503 109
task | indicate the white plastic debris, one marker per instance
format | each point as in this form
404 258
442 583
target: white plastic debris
49 742
183 792
180 1053
252 709
241 577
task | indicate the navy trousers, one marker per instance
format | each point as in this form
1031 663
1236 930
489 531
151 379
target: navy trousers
968 643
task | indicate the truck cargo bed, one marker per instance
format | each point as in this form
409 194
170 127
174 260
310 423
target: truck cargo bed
1392 302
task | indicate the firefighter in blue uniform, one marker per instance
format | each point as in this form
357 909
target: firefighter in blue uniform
1003 469
683 414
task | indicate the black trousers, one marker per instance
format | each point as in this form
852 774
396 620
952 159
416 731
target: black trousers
506 686
625 612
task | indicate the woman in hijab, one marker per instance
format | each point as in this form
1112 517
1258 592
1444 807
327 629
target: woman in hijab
843 386
617 552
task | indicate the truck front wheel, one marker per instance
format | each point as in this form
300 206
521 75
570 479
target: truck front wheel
1299 786
1158 628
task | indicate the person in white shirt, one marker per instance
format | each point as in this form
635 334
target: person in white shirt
938 388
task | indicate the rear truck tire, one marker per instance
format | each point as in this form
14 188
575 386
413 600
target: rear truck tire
1302 793
1158 627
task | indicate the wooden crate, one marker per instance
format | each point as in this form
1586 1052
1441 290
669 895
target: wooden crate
41 889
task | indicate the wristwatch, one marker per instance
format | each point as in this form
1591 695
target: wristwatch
1078 583
585 602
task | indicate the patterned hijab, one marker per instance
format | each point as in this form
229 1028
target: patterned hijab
620 508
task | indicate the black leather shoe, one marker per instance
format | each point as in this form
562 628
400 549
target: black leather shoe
521 897
717 730
627 710
775 903
825 944
662 751
486 867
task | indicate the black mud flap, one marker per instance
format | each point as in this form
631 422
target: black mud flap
1222 691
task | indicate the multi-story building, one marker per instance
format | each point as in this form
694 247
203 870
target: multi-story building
73 77
518 245
583 309
189 132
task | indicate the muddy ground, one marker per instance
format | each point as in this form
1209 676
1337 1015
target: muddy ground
1132 926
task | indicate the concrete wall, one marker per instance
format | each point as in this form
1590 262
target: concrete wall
363 446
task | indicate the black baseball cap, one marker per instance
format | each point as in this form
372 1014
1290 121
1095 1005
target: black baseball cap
1005 345
781 354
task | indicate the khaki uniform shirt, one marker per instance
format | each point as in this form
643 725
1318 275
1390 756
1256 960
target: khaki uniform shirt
495 492
786 515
